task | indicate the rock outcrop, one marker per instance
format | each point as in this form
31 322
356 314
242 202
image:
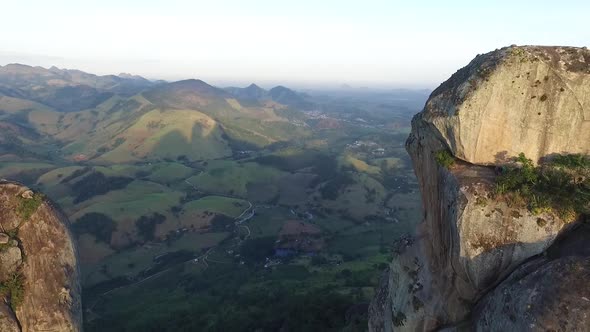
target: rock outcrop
534 100
473 248
547 293
39 277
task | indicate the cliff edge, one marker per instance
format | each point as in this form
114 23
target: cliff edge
480 260
39 277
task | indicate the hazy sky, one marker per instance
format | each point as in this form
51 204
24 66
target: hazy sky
364 42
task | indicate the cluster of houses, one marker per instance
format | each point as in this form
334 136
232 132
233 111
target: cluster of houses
315 115
375 149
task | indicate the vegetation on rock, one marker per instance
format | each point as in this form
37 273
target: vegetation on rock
444 158
28 206
561 185
13 289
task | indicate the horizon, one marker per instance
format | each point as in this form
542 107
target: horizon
379 45
267 85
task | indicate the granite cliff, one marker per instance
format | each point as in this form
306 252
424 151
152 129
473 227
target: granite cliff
481 261
39 277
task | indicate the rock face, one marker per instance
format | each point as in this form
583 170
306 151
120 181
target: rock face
38 265
548 293
534 100
471 248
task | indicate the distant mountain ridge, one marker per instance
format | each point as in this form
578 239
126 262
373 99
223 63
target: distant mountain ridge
279 94
15 73
128 118
251 92
65 90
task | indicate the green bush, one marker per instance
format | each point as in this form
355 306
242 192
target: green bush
28 206
572 161
14 289
444 158
561 186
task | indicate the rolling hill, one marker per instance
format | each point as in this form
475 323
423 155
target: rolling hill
72 115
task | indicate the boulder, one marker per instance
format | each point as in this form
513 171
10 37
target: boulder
8 322
10 260
531 99
4 238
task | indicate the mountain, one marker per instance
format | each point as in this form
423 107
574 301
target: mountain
501 155
65 90
278 94
286 96
39 273
251 92
53 114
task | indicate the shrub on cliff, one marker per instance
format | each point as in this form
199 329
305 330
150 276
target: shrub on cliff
13 288
444 158
561 186
28 206
572 161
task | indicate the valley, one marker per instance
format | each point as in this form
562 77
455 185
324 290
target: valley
223 209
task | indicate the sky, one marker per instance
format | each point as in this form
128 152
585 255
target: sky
373 43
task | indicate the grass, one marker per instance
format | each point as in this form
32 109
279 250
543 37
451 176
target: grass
231 207
231 178
166 173
157 135
572 161
267 222
359 165
14 289
137 199
135 260
8 169
92 251
444 158
561 185
53 177
359 199
125 206
28 206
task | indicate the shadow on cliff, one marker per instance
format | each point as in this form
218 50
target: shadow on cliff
547 292
502 158
572 240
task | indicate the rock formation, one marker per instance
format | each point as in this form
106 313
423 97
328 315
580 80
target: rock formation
39 278
479 262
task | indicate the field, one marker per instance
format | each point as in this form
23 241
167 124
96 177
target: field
239 179
178 212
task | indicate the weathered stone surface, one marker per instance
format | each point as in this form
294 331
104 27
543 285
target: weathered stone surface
542 295
529 99
28 194
4 238
470 241
52 300
9 219
548 293
8 322
10 260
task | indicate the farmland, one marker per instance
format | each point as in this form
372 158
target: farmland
179 212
